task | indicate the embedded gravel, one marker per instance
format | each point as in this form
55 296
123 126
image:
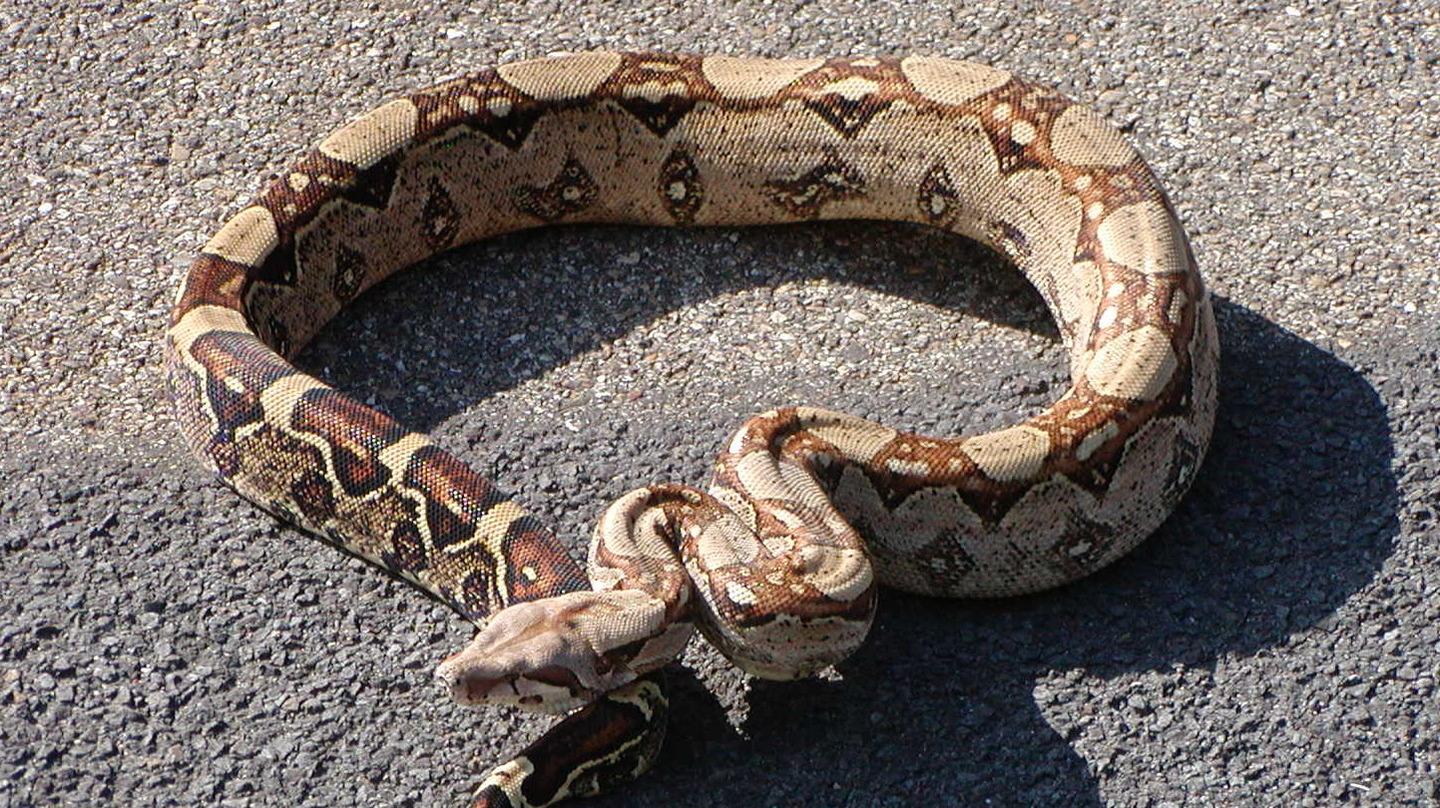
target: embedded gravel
1276 642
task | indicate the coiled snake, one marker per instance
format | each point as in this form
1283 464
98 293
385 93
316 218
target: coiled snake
768 562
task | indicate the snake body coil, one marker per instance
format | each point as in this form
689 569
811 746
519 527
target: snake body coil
769 562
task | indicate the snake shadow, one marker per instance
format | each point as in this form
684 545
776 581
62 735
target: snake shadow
950 702
984 702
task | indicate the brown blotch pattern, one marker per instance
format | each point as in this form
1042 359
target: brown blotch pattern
680 187
349 274
1083 546
355 433
572 190
407 548
603 743
805 196
659 89
212 281
440 216
312 495
238 369
937 198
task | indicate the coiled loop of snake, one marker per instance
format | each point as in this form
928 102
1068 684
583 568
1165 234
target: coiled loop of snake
770 559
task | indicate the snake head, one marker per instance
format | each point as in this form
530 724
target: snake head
556 654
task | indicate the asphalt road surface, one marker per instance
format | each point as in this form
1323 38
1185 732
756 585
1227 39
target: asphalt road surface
1276 642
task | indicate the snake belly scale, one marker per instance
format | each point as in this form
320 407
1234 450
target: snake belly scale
777 562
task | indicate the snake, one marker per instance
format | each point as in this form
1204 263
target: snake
777 562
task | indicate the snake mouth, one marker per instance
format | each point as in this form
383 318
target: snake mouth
551 689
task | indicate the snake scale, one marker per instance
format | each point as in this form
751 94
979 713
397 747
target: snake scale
768 562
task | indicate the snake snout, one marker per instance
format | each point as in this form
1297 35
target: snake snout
463 689
555 654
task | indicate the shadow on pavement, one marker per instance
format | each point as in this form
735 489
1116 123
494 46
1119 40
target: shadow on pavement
1294 511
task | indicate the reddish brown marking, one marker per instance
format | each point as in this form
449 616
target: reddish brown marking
848 116
327 180
585 739
669 70
213 281
356 434
617 657
456 497
500 112
558 676
242 360
528 546
446 526
769 598
1039 106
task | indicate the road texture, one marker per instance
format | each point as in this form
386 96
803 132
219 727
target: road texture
1276 642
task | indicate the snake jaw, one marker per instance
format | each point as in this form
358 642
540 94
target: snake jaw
555 654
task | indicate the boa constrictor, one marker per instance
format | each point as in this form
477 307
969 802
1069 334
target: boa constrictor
768 562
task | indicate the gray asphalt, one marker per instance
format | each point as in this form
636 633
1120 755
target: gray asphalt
1277 642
